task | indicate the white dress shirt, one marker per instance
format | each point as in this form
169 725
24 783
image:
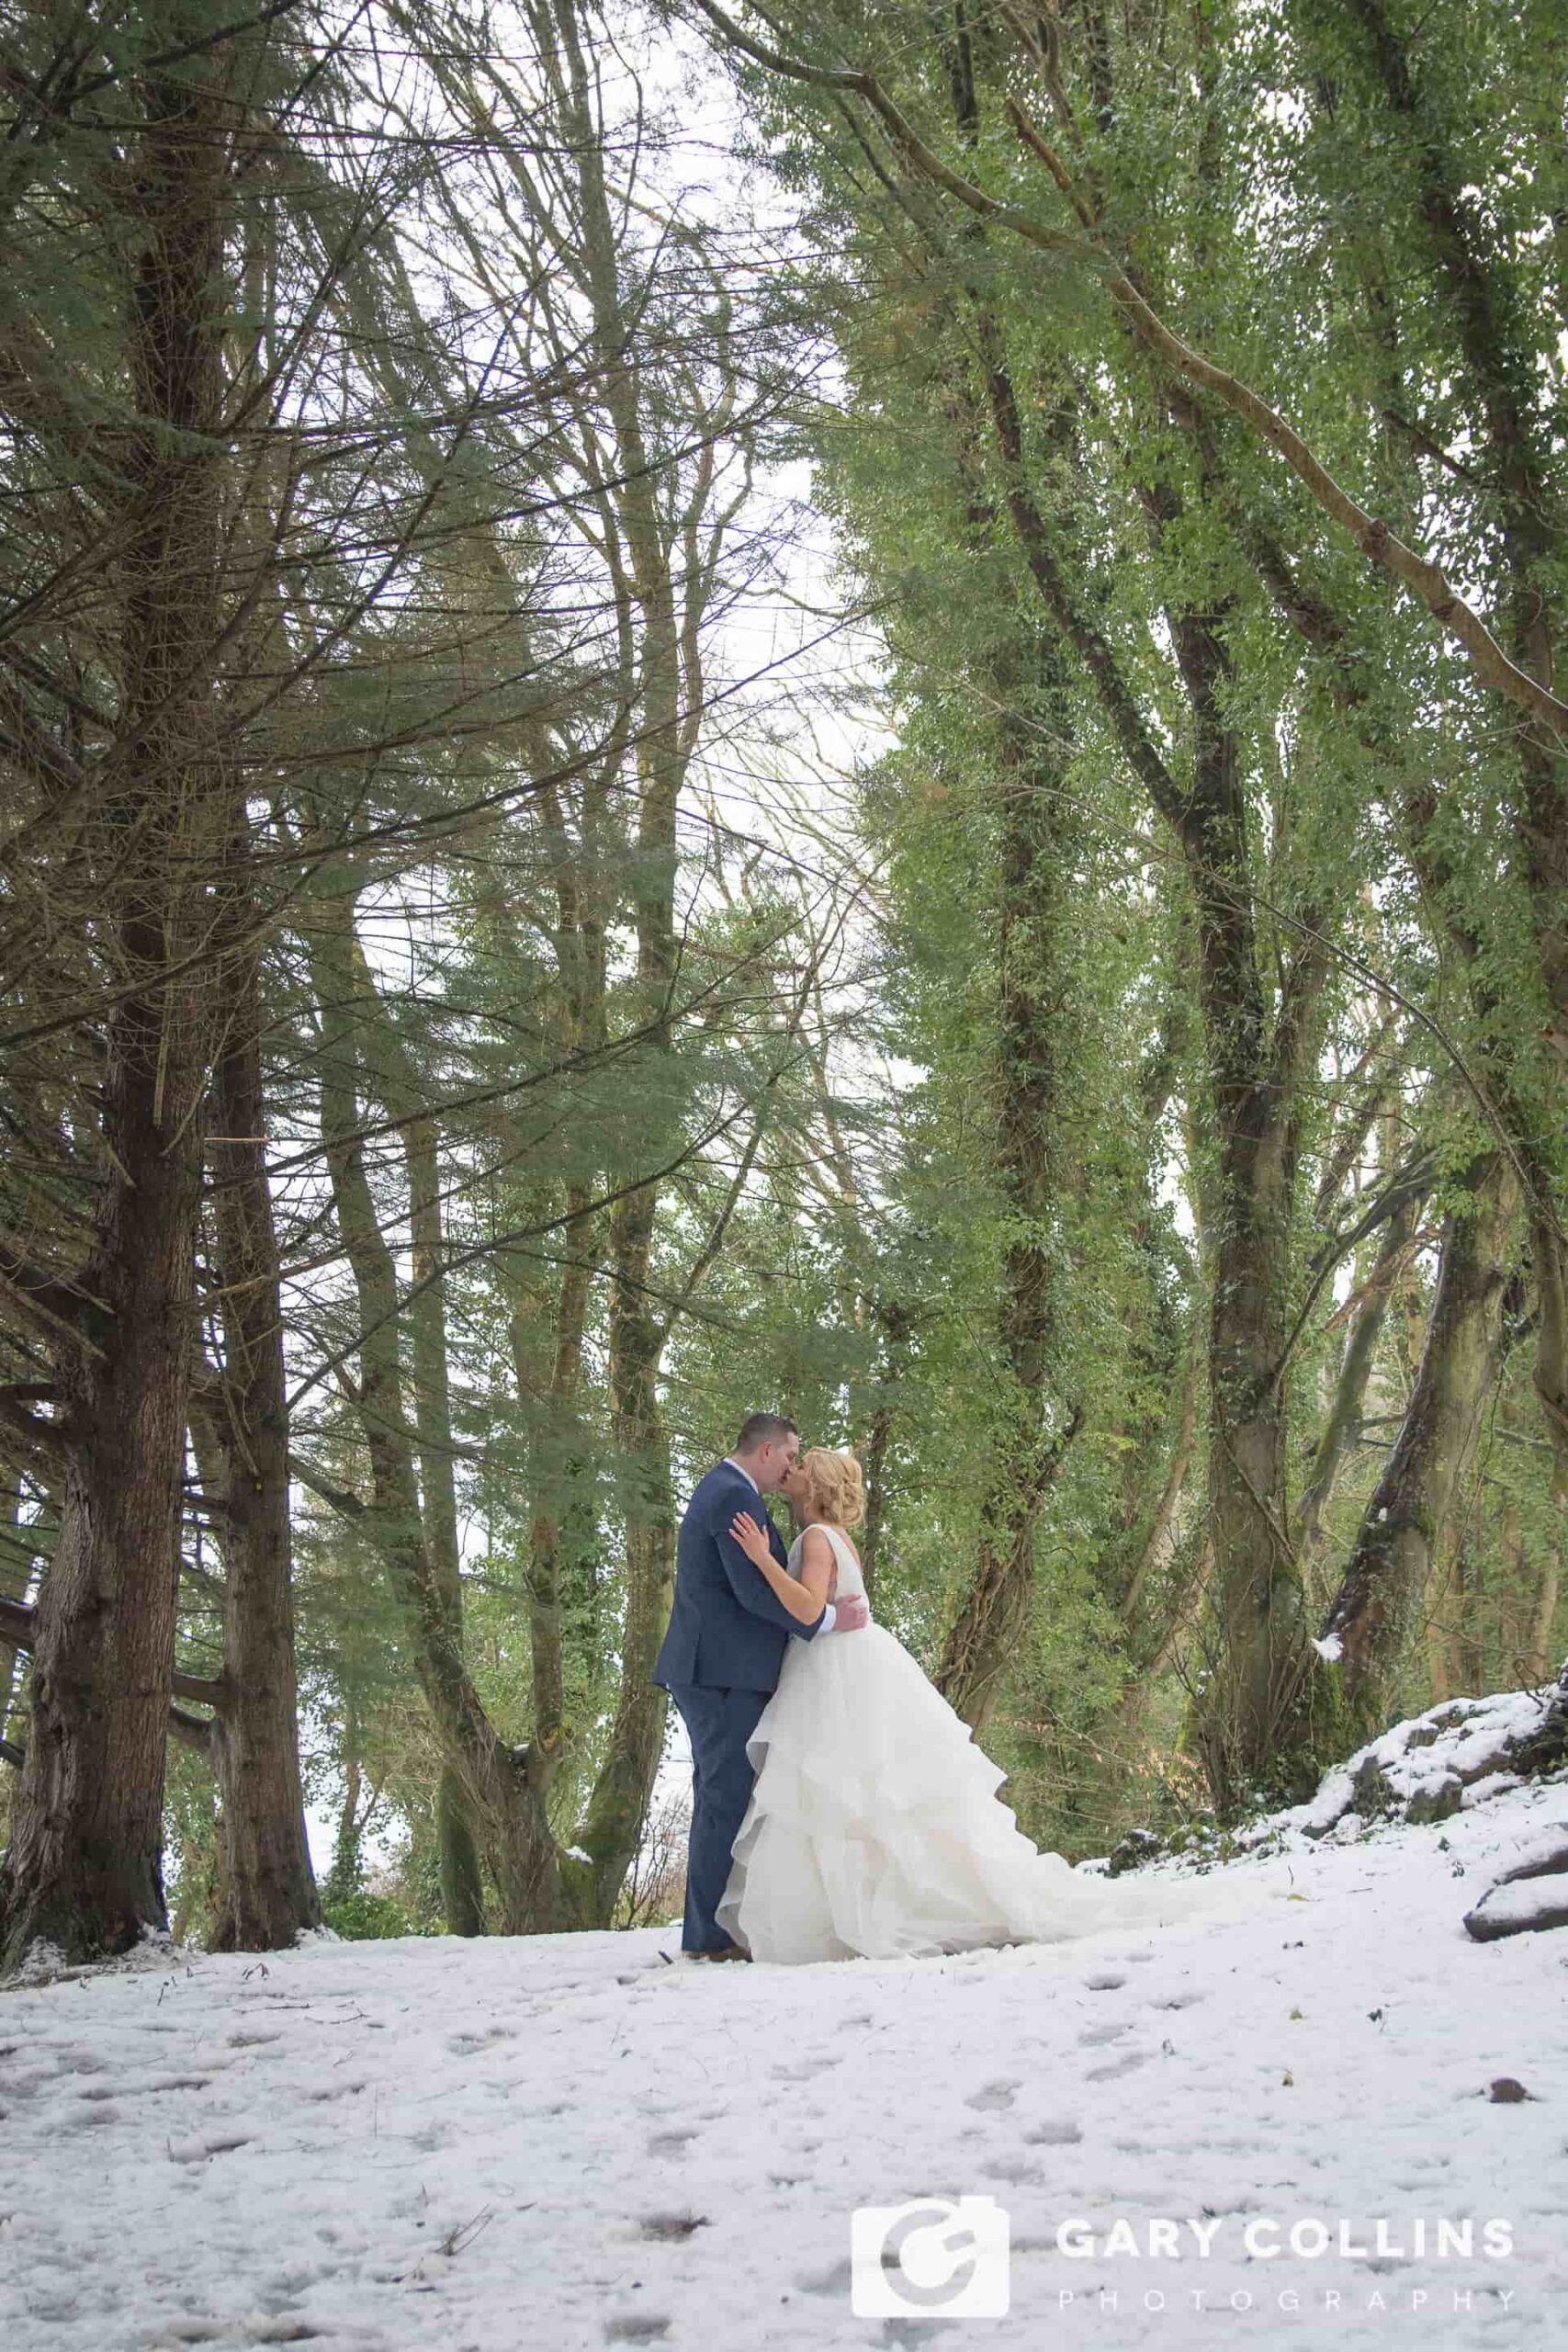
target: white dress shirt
829 1613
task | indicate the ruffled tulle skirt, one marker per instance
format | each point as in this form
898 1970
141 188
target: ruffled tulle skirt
875 1829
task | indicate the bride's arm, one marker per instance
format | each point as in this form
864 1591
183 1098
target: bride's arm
804 1596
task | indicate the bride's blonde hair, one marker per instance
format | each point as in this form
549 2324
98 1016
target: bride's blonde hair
834 1487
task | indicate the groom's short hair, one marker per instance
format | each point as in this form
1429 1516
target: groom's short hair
763 1429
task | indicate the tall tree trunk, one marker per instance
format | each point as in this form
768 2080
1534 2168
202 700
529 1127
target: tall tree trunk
462 1886
1442 1617
1540 1656
84 1869
563 1534
556 1487
1402 1531
893 1324
16 1574
1157 1620
346 1869
1549 1247
1038 1425
1248 1720
394 1075
267 1892
502 1784
666 625
1159 1544
611 1825
1350 1388
1186 1590
1027 1450
1252 1723
1500 390
1516 1595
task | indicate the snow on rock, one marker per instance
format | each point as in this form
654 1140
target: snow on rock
1531 1894
572 2142
1427 1769
1510 1909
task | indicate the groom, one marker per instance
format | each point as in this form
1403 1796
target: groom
721 1657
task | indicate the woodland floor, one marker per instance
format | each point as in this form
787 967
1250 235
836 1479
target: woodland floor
568 2142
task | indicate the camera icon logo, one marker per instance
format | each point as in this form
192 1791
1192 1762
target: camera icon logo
931 2255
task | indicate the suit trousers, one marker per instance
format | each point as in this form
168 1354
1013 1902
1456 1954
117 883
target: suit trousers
718 1723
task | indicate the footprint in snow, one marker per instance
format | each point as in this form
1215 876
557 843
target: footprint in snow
69 2061
464 2045
1052 2135
195 2151
672 2228
995 2096
834 2280
280 2295
1118 2067
637 2327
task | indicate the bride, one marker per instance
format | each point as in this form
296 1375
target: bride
874 1828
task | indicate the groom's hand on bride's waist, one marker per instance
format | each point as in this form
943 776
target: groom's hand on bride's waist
849 1614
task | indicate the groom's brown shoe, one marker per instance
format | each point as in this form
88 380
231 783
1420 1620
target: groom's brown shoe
724 1951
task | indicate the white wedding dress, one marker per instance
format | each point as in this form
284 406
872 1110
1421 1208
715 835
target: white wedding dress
875 1830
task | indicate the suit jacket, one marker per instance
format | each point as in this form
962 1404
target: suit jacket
726 1628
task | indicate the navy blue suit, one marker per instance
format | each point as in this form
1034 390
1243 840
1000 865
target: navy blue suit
719 1661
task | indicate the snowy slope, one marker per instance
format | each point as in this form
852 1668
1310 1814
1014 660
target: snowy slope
566 2141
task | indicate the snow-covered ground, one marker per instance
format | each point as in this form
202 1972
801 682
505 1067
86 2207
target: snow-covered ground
569 2141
